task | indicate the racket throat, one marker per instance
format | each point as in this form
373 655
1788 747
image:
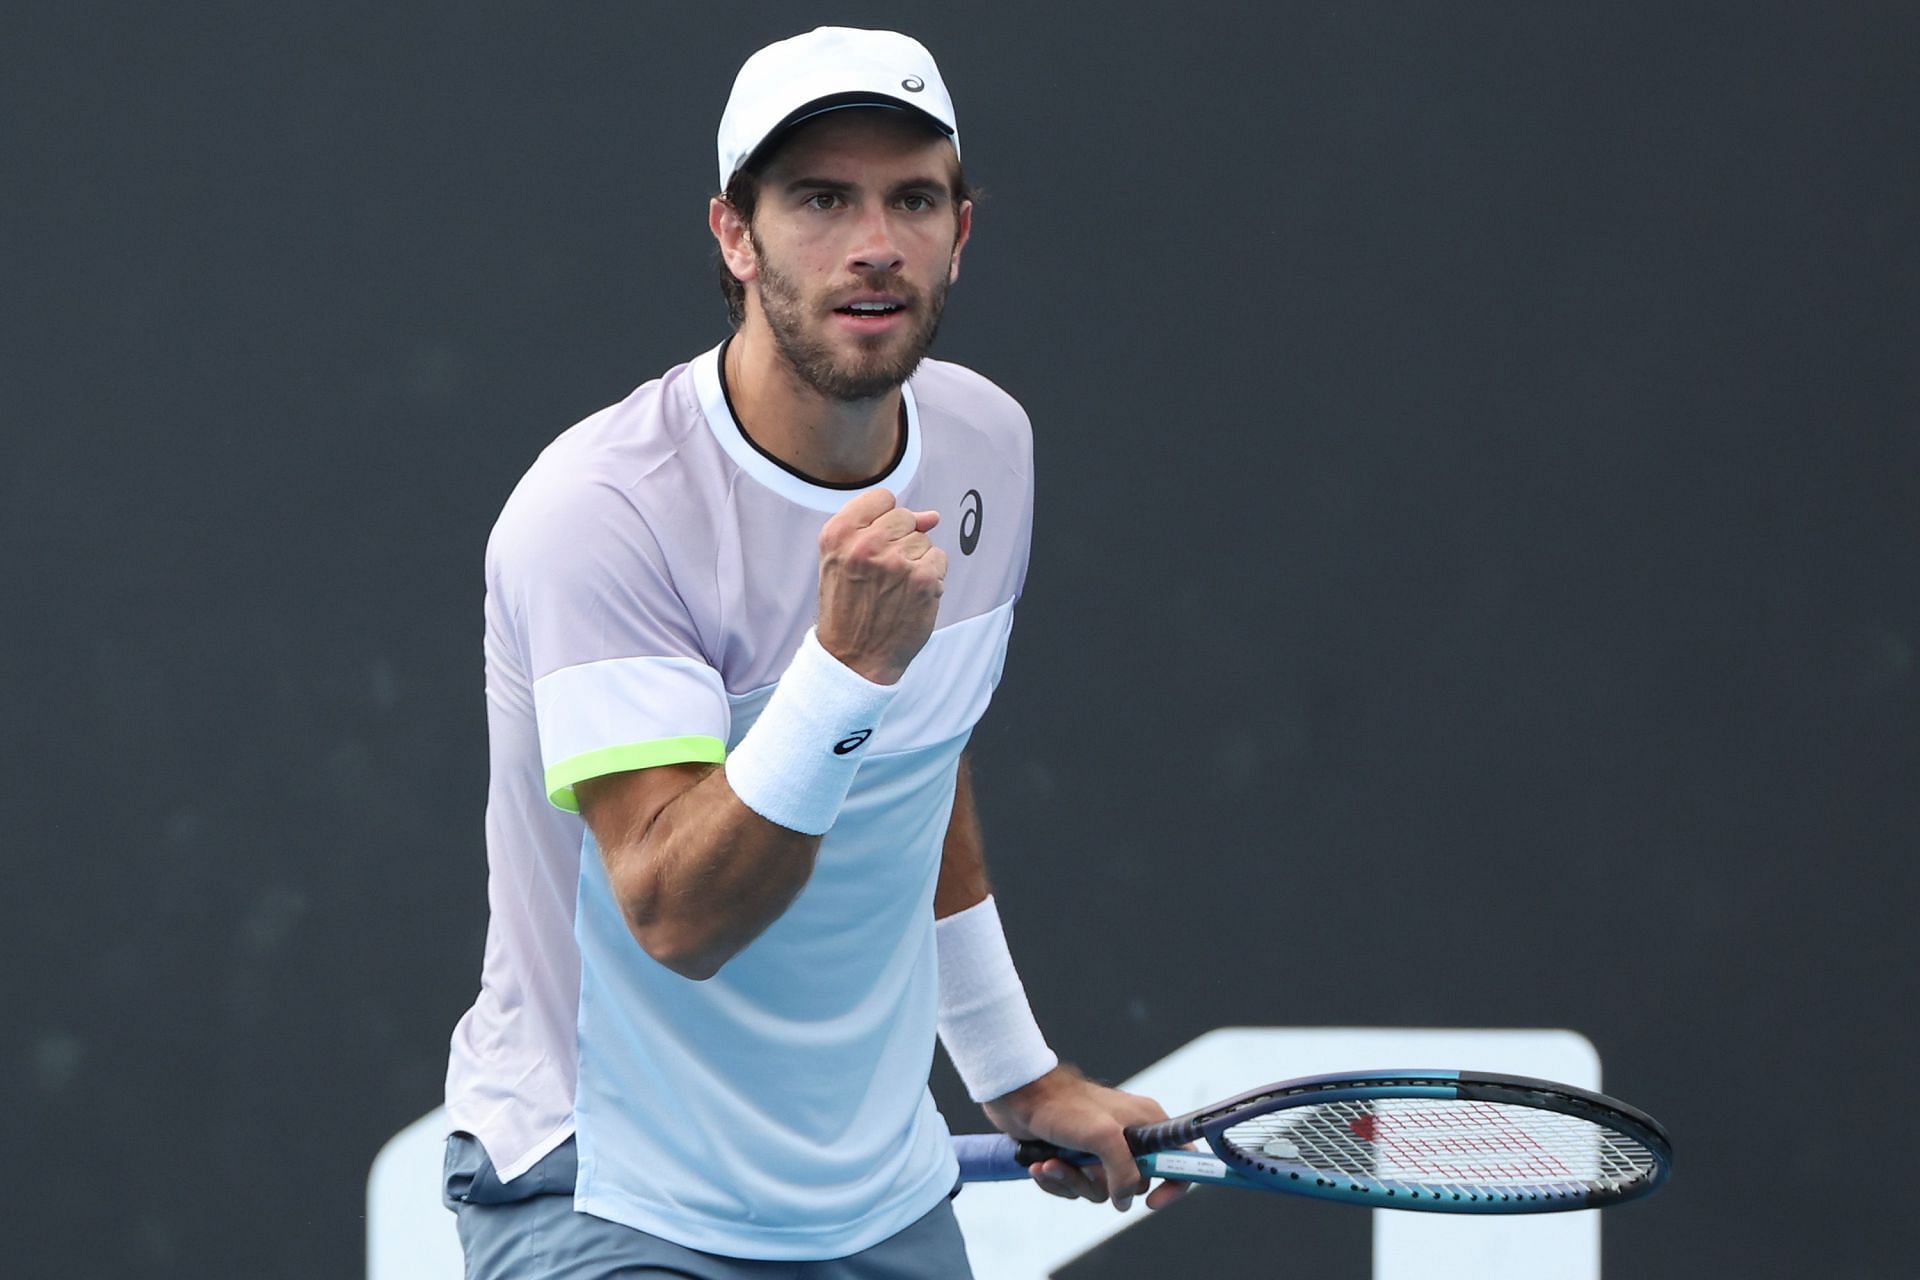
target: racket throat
1189 1166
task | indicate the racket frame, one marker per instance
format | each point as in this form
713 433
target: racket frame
1157 1147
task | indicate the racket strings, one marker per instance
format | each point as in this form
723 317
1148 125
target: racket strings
1446 1146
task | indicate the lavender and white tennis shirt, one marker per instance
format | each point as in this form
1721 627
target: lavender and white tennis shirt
647 584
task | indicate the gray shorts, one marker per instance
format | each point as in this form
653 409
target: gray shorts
529 1230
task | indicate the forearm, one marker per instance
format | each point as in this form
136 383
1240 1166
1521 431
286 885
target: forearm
702 860
963 865
985 1021
706 877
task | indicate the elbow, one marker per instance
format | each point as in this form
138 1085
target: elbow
673 936
696 964
674 945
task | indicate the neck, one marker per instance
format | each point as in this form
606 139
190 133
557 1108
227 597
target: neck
835 441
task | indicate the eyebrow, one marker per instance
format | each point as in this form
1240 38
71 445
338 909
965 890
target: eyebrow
899 188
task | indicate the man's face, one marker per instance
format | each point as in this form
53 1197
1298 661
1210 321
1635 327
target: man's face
855 241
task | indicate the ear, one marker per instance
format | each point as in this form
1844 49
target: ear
960 240
730 232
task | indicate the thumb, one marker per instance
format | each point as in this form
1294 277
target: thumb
863 509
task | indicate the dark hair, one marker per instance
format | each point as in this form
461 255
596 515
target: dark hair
743 194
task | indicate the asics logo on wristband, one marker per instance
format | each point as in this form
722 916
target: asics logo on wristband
852 742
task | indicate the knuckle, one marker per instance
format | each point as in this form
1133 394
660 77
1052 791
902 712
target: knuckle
839 533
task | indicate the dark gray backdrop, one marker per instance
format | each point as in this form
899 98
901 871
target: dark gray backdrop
1477 455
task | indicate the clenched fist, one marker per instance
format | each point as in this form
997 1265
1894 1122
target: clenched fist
880 584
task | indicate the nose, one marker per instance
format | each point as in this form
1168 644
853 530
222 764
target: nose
874 250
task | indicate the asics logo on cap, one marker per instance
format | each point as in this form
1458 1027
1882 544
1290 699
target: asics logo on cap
913 84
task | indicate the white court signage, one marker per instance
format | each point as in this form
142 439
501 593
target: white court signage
1014 1232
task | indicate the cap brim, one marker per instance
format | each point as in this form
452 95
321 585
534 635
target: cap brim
837 102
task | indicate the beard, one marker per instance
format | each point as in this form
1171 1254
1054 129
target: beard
866 376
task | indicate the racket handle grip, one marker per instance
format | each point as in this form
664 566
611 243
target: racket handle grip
1140 1140
994 1157
989 1157
1033 1151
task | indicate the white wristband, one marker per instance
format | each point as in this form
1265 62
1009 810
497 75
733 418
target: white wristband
794 766
985 1020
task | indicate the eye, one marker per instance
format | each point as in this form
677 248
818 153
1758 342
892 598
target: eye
916 202
823 200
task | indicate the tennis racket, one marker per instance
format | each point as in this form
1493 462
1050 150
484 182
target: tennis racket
1435 1141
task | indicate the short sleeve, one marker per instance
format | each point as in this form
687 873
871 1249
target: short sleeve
619 678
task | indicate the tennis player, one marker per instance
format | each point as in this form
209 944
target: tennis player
739 627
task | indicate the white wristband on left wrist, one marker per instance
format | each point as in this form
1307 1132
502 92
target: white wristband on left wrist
985 1020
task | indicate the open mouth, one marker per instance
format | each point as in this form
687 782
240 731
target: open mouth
870 310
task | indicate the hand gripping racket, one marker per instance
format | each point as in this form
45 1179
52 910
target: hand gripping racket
1435 1141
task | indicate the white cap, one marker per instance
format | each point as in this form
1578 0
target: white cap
824 70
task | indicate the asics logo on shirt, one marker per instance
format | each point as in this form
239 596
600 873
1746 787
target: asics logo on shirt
970 508
852 742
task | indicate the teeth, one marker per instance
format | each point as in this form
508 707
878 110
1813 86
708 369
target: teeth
873 308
